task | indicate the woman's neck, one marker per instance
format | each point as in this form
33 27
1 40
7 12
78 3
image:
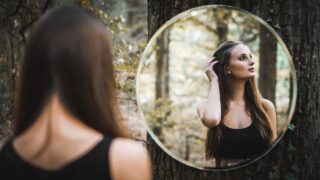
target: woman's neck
55 125
55 138
56 120
237 90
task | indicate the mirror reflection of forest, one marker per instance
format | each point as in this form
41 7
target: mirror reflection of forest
172 78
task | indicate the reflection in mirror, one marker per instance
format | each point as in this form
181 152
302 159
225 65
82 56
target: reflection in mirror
241 124
173 84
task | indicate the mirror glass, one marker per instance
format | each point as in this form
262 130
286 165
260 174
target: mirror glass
171 79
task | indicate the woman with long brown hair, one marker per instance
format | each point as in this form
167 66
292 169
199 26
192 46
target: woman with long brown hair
241 124
67 121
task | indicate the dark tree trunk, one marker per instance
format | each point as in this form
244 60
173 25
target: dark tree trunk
268 60
162 66
162 76
222 28
296 156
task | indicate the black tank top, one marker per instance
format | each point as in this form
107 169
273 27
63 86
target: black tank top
93 165
241 143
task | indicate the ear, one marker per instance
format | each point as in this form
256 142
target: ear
228 71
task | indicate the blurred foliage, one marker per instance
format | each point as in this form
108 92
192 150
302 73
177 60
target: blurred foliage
159 114
126 46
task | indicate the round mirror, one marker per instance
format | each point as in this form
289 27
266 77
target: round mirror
172 82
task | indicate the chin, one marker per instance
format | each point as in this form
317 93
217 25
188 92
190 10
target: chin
245 77
252 75
249 77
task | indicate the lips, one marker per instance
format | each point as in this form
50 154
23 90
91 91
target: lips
251 69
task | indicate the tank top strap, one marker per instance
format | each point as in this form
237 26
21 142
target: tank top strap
98 160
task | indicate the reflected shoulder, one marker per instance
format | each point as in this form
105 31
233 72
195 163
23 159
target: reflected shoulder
268 105
270 109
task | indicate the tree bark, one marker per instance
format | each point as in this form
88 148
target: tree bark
296 156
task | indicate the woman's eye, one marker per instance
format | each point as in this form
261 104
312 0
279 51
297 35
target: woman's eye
242 58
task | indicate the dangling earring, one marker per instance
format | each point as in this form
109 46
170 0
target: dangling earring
228 72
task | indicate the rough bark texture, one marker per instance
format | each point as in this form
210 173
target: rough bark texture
296 156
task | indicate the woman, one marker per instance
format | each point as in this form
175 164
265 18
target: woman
67 119
241 123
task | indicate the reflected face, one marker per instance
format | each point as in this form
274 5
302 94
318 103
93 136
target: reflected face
241 63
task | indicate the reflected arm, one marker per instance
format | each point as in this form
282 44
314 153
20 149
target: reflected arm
209 110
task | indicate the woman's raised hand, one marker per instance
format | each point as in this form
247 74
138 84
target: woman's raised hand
209 70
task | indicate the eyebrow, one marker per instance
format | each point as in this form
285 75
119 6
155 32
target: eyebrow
245 54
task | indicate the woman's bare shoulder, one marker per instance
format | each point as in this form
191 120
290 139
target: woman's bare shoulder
270 109
268 105
126 154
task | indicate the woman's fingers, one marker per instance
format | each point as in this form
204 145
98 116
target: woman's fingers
209 70
213 63
212 59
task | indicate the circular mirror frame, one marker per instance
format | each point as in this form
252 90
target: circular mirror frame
292 72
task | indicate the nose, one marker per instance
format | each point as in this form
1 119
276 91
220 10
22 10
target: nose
251 62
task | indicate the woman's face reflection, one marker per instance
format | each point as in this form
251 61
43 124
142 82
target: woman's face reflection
241 63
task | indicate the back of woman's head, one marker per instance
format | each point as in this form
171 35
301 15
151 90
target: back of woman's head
68 54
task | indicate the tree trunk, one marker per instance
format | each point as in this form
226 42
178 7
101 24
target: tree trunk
268 62
162 66
162 77
222 28
296 156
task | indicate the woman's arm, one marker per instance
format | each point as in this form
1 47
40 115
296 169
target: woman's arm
272 115
209 110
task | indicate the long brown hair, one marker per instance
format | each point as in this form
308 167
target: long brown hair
253 99
68 53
